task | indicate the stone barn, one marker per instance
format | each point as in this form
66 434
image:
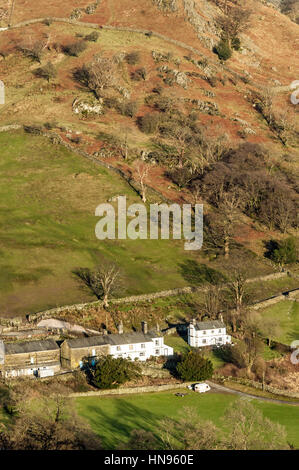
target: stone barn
30 358
74 351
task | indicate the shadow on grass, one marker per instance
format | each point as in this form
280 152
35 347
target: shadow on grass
114 429
195 273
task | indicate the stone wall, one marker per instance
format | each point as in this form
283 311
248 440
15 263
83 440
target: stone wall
259 386
126 391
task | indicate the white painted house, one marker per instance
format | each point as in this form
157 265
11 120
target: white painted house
137 345
207 333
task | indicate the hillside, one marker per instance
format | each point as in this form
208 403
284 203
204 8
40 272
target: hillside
165 90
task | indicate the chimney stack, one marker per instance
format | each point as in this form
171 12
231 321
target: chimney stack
220 317
120 328
193 321
144 327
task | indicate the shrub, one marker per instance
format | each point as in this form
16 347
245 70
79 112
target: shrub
111 102
223 50
110 372
193 366
75 49
34 129
48 71
236 43
93 37
212 80
282 252
149 123
139 74
50 125
48 21
76 139
132 58
130 108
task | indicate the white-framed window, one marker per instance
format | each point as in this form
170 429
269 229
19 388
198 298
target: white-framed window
118 348
220 340
143 346
219 331
212 332
204 341
204 332
156 342
142 354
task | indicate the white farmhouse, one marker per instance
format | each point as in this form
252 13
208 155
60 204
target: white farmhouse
136 345
139 346
207 333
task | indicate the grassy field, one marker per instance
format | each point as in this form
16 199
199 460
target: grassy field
114 418
48 197
286 314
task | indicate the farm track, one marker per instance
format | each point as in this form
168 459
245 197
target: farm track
221 388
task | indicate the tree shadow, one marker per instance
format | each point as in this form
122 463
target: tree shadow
84 276
115 428
195 273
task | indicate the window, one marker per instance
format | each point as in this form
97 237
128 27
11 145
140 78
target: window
142 354
204 332
118 348
204 341
219 331
157 351
212 332
220 340
143 346
156 342
131 347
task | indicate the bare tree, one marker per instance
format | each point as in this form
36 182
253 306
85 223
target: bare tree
213 301
53 425
237 293
33 49
233 22
190 432
98 75
143 170
102 282
247 429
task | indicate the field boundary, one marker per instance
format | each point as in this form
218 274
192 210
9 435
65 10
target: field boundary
131 390
148 33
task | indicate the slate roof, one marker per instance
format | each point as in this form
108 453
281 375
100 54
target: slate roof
114 340
209 325
31 346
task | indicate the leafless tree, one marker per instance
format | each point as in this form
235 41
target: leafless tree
142 170
213 301
247 429
102 281
235 20
98 75
236 293
33 49
53 425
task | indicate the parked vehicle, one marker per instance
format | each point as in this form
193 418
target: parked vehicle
200 387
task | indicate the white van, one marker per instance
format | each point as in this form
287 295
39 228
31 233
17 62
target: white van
200 388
